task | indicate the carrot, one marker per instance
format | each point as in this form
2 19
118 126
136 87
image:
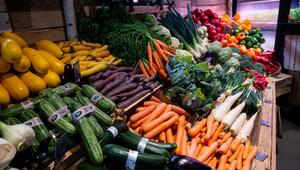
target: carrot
162 137
162 127
139 122
225 138
165 46
157 112
137 130
211 150
162 73
143 69
160 52
228 153
202 134
162 118
180 110
235 144
140 109
155 68
222 163
214 163
169 135
188 126
227 166
149 103
221 135
236 153
155 99
233 165
149 54
142 113
209 126
203 129
250 157
179 134
215 127
157 60
188 146
184 143
247 149
240 159
216 134
192 150
148 69
209 159
197 128
225 146
167 53
203 149
198 149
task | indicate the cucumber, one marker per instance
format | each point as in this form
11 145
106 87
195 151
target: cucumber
87 165
19 107
46 91
168 146
133 143
58 103
12 121
98 99
63 124
97 129
86 132
66 89
41 131
119 154
102 117
108 136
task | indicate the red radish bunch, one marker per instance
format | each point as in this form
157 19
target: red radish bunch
268 59
212 21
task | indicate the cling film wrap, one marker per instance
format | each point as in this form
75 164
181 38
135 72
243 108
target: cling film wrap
82 111
34 122
95 98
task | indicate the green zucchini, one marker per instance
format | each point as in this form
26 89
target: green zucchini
168 146
19 107
58 103
47 109
86 132
119 154
12 121
97 129
111 132
102 117
133 143
98 99
41 131
87 165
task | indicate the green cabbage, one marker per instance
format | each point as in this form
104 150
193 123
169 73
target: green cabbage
224 54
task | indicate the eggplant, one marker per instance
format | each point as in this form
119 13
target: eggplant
181 162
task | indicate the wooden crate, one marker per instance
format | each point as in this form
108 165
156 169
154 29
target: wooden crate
292 52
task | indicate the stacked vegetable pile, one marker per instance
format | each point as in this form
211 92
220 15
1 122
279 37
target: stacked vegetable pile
294 15
122 86
27 70
92 57
221 140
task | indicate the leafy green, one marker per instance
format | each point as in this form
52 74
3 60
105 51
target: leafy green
224 54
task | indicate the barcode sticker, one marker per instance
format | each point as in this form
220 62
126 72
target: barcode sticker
142 145
131 160
113 130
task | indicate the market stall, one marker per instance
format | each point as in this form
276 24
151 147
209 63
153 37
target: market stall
148 91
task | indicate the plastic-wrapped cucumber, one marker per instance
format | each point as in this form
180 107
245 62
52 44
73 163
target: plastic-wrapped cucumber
12 121
96 126
59 104
98 99
60 122
82 124
66 89
102 117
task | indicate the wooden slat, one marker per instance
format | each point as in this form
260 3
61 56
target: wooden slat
149 9
31 37
208 2
286 62
33 5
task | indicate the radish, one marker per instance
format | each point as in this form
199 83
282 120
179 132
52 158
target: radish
231 116
238 124
245 132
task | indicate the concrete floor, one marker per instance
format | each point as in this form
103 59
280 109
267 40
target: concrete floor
288 156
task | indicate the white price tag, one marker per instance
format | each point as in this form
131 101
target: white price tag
131 160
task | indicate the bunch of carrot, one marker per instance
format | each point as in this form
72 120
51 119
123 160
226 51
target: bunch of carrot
158 57
205 141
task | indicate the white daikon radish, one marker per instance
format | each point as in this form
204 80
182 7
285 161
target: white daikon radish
246 130
231 116
238 124
222 109
7 153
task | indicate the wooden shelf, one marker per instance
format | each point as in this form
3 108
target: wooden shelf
149 9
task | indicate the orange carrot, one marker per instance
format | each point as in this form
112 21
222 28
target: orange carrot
139 122
202 134
203 129
165 46
162 127
221 135
216 134
197 128
214 163
233 165
128 123
198 149
149 103
169 135
250 157
247 149
162 73
209 159
184 143
137 130
210 124
203 149
162 118
157 112
215 127
192 150
225 138
143 69
240 159
225 146
188 146
155 99
149 53
162 137
179 134
148 69
228 153
140 109
222 163
227 166
142 113
160 52
180 110
188 126
167 53
155 68
157 60
235 144
211 150
236 153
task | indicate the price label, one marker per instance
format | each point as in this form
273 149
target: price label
265 123
261 156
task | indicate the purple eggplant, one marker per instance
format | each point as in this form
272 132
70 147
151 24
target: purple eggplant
132 99
181 162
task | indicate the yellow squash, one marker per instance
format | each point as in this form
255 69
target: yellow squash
15 86
4 66
97 68
51 79
50 47
15 37
54 64
38 62
23 65
33 82
4 96
10 50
